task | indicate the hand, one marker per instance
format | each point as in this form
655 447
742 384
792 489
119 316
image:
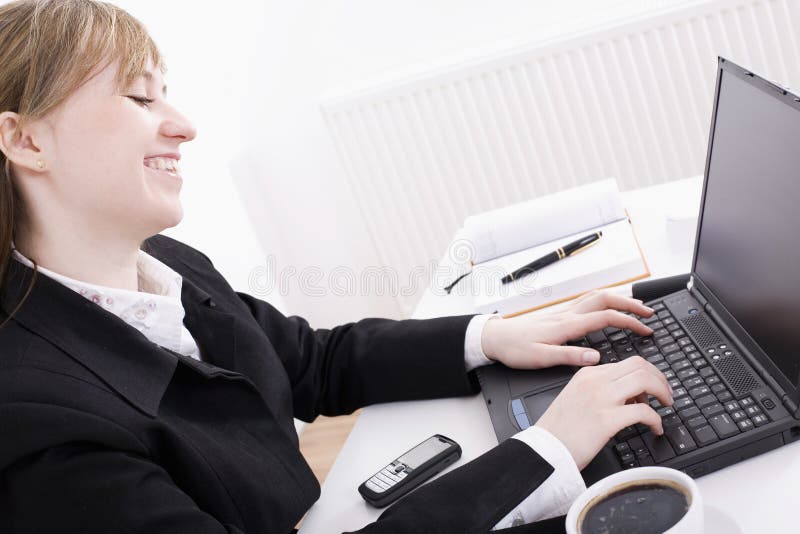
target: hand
600 401
531 341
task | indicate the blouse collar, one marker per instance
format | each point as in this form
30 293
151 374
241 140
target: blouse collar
155 310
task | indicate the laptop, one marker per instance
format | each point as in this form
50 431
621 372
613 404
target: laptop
729 341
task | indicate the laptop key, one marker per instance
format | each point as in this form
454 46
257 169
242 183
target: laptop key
681 365
724 396
680 439
668 348
596 337
622 448
692 354
682 403
696 422
664 411
717 388
738 415
645 460
671 420
708 400
724 425
659 447
693 383
616 336
699 363
713 409
637 446
649 350
705 435
760 419
674 357
687 373
666 340
688 413
731 406
711 380
626 433
746 425
699 391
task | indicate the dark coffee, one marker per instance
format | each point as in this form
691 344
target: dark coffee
636 507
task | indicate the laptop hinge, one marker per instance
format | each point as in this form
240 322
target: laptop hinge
754 363
693 291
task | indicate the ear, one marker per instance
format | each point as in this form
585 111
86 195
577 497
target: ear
20 142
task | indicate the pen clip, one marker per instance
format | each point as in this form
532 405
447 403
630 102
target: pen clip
584 247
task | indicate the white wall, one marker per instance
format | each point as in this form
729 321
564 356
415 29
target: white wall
206 83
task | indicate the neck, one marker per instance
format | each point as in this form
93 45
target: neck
92 258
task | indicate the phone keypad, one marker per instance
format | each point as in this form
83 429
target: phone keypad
387 477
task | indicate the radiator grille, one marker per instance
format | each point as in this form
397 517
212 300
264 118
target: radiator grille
631 102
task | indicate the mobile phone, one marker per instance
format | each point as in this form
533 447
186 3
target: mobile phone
410 470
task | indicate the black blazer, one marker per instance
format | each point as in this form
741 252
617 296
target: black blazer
103 431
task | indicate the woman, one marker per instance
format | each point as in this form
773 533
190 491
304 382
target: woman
140 393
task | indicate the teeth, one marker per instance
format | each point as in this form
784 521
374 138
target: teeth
161 164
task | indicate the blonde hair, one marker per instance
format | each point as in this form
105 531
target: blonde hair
48 49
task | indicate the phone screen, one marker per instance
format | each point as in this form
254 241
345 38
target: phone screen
423 452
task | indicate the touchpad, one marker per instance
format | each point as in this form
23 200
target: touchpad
536 404
523 382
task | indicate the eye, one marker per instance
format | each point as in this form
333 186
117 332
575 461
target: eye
141 100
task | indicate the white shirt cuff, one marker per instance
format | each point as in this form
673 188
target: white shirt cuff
556 494
473 349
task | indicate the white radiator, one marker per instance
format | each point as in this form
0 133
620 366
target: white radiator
632 101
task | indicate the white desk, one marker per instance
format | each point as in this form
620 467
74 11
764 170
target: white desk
755 496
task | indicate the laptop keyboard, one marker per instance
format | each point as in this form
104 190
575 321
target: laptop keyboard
704 410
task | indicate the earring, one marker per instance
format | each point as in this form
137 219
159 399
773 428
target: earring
40 163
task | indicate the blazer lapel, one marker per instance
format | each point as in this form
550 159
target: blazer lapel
120 355
212 329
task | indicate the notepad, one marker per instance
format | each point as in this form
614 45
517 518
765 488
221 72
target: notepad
506 239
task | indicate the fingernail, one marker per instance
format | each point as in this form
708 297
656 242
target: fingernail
648 308
591 357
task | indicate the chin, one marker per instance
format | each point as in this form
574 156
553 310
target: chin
168 219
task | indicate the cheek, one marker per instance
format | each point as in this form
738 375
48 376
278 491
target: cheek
102 151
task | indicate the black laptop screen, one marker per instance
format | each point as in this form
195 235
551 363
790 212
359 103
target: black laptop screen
748 251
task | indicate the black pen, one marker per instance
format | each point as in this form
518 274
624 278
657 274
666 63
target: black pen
567 250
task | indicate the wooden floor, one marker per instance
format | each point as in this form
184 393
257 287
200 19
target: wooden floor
321 441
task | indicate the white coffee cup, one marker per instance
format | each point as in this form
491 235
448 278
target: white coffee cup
690 523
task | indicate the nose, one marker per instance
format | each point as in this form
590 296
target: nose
176 126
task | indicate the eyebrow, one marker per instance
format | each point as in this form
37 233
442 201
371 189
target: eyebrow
147 75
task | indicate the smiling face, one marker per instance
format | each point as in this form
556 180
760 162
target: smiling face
111 155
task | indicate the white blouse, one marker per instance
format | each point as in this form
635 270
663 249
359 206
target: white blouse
155 309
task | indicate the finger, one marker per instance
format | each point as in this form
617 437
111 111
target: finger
605 300
642 382
630 414
565 355
598 320
631 364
